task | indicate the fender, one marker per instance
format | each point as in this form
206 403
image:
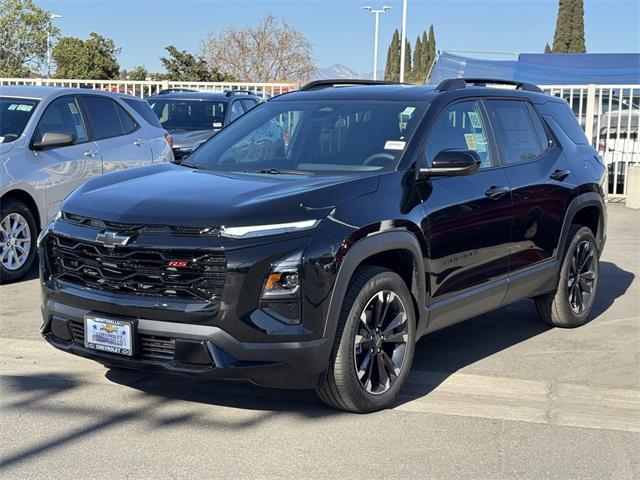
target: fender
365 248
588 199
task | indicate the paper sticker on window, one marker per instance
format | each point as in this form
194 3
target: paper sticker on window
481 142
25 108
394 145
408 111
475 120
73 108
471 141
217 125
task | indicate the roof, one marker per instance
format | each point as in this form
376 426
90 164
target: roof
545 68
367 92
43 93
219 96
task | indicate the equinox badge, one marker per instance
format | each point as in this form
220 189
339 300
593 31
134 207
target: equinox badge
112 239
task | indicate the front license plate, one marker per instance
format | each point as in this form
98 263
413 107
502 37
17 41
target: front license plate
108 335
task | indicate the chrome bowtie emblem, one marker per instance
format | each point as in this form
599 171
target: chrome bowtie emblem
112 239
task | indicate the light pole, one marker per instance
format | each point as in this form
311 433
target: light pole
377 13
403 40
52 16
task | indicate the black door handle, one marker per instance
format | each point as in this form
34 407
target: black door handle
496 192
560 175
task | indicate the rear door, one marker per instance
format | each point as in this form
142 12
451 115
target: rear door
117 134
540 180
468 220
59 170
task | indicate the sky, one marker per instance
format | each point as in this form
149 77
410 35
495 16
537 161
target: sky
339 30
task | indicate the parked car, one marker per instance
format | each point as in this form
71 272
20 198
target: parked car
194 117
391 212
51 141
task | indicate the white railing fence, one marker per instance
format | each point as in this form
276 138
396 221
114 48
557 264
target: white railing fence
609 114
152 87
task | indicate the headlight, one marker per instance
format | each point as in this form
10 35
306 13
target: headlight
283 279
45 230
264 230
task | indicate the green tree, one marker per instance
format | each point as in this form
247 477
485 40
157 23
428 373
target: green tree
424 57
138 74
392 68
94 58
408 65
432 51
569 33
24 28
182 66
547 48
416 72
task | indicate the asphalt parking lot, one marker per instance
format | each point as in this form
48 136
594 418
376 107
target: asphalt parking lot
500 396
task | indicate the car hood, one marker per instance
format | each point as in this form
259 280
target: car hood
167 194
183 138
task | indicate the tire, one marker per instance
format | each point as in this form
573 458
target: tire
13 213
350 382
560 308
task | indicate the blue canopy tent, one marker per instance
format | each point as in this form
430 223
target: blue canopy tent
544 69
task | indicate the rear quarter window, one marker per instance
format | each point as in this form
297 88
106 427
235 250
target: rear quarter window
563 115
143 109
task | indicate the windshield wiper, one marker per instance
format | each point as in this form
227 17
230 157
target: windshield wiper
277 171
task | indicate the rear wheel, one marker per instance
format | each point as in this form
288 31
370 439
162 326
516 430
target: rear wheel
374 343
17 240
571 304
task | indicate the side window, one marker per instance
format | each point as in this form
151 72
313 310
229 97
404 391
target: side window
460 126
515 132
103 115
63 115
249 104
128 123
543 136
236 110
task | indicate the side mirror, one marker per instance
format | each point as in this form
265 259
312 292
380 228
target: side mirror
54 139
451 163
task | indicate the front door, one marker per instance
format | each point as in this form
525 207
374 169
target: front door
467 221
61 169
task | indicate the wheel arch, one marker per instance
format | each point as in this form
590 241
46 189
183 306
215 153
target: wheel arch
587 209
26 198
390 249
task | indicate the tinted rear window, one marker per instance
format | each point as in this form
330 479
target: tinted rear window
104 117
143 109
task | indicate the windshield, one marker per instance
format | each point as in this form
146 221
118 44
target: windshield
14 116
189 114
327 136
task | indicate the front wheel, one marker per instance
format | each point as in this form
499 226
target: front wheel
374 343
571 304
17 240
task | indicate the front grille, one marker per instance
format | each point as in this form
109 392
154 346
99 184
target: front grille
151 347
128 227
135 271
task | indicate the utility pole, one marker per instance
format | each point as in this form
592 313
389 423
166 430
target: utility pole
403 40
52 16
377 13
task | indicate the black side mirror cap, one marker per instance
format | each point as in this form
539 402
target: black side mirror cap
451 162
54 139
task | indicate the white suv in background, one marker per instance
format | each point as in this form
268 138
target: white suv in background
51 141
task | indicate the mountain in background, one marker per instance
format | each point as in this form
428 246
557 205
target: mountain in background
342 71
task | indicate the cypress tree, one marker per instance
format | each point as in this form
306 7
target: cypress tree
392 69
426 49
408 70
432 50
547 48
577 44
417 62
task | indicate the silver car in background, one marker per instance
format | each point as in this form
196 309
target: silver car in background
51 141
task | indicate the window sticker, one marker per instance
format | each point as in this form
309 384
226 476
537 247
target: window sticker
217 125
394 145
25 108
471 141
73 108
475 120
13 106
481 142
408 111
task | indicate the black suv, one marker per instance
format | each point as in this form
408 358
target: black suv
317 259
193 117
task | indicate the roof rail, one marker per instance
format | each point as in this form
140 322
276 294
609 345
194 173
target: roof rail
228 93
460 83
343 82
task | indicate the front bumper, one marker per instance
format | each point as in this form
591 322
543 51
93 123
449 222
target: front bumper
194 350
